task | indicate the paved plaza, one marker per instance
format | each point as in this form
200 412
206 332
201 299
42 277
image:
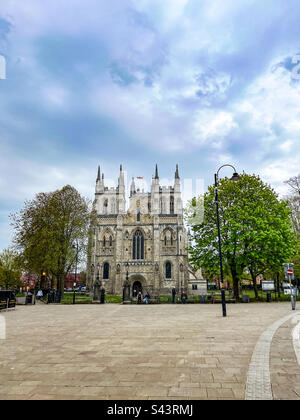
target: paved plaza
140 352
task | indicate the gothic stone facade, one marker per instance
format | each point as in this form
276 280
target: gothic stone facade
148 240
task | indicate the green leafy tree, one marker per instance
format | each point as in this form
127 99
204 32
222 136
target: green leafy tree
48 230
256 230
10 270
294 201
296 261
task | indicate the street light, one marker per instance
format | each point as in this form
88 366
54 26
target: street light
98 273
74 284
126 287
235 177
127 275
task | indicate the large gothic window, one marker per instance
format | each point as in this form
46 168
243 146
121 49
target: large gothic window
106 271
172 205
105 206
168 270
138 246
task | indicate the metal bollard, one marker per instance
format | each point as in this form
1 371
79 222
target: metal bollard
293 300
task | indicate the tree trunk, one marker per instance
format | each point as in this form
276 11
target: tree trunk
235 280
61 285
278 285
254 284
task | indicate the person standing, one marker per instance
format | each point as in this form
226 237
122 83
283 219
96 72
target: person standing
39 294
173 294
147 297
139 299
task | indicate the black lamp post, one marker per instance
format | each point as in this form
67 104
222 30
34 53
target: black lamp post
126 287
98 274
127 275
235 177
74 284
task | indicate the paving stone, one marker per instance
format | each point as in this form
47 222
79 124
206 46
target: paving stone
154 352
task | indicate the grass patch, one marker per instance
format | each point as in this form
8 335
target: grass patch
82 298
79 298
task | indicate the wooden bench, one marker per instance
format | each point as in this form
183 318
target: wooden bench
10 304
154 299
216 297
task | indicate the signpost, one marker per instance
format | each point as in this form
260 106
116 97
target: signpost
289 276
268 285
74 290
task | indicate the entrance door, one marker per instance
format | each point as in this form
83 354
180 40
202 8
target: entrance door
136 288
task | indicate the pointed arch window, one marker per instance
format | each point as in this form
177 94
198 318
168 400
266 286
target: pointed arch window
104 242
138 246
168 270
106 271
171 205
138 216
105 206
110 241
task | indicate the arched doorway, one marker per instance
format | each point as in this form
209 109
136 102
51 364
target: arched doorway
136 288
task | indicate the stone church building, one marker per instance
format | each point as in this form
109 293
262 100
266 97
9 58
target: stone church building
146 241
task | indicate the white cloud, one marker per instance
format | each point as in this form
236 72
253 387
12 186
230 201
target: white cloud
212 126
182 79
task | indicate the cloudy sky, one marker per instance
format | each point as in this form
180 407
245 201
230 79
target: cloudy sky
200 83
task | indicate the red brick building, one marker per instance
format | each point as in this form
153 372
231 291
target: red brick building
70 280
32 280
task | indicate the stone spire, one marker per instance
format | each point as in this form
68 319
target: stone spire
132 187
177 193
121 181
156 172
99 182
98 175
121 192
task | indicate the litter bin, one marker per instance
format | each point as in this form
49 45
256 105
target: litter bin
28 299
245 299
202 298
268 297
57 297
102 296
